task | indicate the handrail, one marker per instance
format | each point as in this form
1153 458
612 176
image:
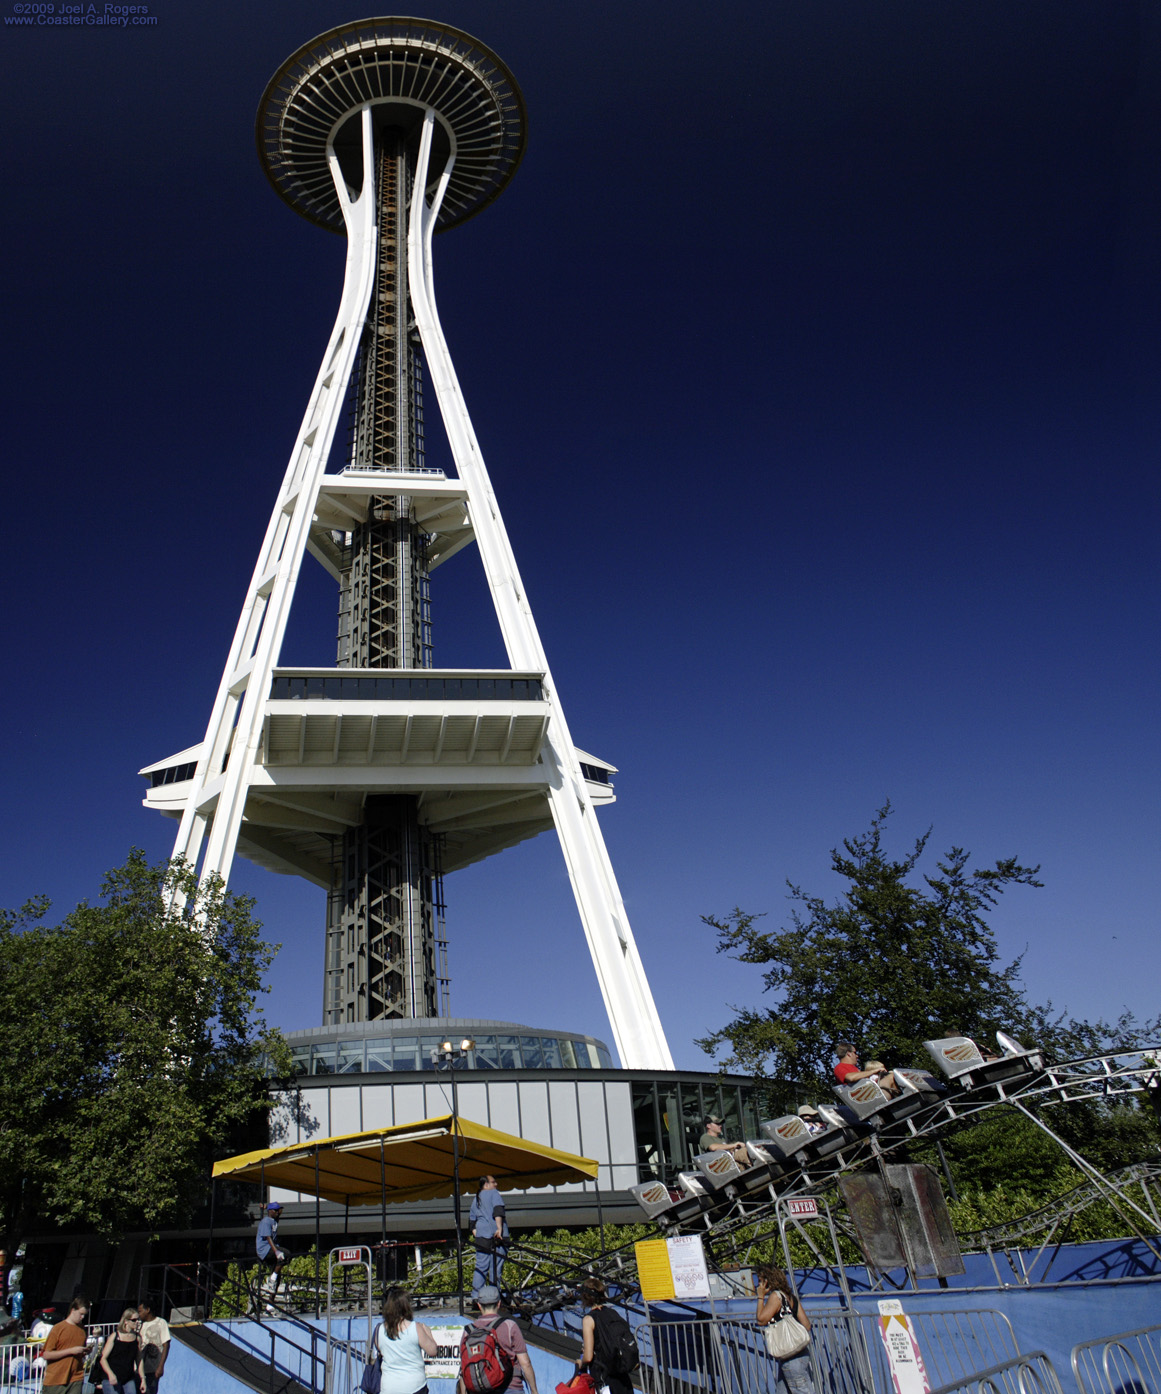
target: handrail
212 1279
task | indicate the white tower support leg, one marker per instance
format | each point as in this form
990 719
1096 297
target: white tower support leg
633 1016
218 792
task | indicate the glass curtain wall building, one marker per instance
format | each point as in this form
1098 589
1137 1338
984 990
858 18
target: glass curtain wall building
554 1087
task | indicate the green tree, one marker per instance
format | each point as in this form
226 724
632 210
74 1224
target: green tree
890 964
131 1048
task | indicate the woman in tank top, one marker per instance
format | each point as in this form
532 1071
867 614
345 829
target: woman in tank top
795 1375
120 1359
402 1343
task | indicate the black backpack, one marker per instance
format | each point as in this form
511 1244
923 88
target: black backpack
617 1351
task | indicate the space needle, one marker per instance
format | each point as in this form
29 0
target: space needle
376 777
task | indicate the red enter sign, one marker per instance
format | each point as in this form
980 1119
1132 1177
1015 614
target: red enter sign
802 1207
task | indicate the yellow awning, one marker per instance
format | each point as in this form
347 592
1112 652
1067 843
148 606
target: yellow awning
412 1161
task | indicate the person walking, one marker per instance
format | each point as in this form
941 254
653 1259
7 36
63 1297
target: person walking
64 1350
120 1358
270 1256
774 1300
509 1337
402 1342
597 1339
155 1340
490 1228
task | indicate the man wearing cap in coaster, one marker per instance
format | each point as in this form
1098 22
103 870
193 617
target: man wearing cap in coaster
810 1116
269 1254
713 1140
509 1337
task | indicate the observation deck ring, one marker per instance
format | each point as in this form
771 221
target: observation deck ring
392 59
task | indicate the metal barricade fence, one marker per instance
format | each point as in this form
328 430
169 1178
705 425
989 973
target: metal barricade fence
727 1357
1030 1373
847 1354
1127 1363
852 1358
19 1372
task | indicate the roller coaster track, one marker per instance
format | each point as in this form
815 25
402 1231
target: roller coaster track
1100 1078
747 1206
1047 1221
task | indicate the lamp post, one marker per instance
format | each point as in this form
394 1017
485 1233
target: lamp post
449 1053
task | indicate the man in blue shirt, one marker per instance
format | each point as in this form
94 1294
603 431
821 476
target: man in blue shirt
490 1229
269 1254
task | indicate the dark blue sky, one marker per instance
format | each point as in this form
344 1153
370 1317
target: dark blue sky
814 354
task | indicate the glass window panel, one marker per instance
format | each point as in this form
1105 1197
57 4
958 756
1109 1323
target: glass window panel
350 1058
693 1119
322 1061
550 1049
565 1118
504 1107
594 1123
671 1130
568 1054
646 1132
749 1113
301 1058
533 1059
606 1060
378 1055
509 1049
427 1044
486 1053
406 1053
345 1110
534 1110
731 1114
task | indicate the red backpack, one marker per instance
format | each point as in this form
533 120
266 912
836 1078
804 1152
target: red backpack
484 1363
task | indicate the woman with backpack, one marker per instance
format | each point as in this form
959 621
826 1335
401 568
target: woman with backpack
609 1352
776 1303
402 1343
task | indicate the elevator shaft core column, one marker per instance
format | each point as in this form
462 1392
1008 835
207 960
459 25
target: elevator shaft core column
384 910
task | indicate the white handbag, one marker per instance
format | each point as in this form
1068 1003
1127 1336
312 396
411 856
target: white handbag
785 1335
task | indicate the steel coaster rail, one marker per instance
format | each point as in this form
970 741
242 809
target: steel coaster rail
1054 1220
1130 1360
1116 1074
1073 1202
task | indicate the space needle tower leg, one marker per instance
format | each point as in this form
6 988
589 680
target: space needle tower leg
628 1000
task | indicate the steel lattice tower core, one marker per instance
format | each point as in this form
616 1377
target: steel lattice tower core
374 777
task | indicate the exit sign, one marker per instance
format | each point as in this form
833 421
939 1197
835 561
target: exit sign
356 1255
